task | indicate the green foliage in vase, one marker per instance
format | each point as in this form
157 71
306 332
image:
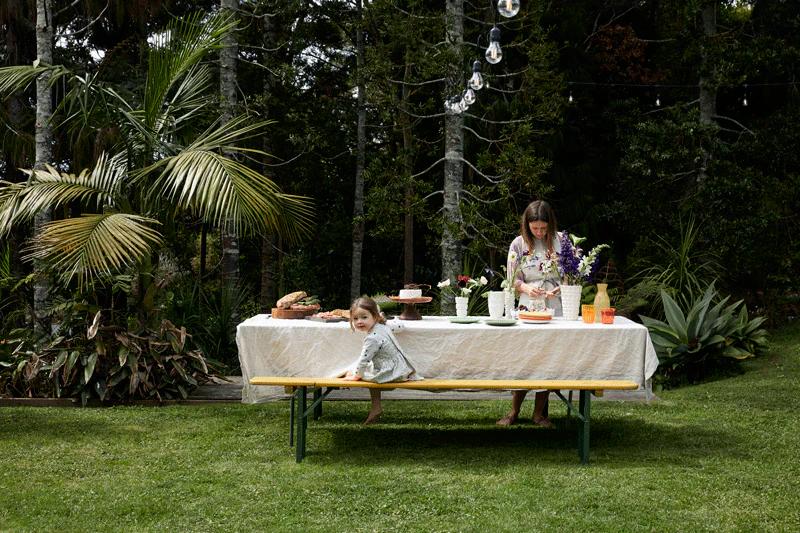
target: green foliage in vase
704 337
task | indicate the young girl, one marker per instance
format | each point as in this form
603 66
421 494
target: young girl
382 360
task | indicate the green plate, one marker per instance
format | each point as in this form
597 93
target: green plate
500 321
464 319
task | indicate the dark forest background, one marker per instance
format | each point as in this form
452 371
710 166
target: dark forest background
595 107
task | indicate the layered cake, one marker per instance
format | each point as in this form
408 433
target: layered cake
410 293
535 315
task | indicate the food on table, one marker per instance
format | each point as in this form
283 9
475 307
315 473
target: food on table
327 315
291 298
535 315
344 313
410 293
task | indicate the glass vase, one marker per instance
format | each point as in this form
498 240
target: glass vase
601 300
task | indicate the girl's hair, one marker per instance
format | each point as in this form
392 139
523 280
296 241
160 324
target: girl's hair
538 211
367 304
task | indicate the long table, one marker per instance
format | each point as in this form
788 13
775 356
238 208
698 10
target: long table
440 349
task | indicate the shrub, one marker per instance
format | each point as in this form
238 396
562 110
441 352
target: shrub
707 339
108 363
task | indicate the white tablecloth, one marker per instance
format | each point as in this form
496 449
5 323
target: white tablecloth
440 349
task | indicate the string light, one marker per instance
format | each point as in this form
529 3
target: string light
459 104
508 8
494 53
570 97
658 100
476 81
744 98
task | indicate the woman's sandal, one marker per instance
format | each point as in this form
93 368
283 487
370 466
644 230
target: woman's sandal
543 422
507 420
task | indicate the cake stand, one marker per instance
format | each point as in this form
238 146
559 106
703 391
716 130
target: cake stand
410 306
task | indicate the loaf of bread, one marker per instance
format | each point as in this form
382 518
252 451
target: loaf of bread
291 298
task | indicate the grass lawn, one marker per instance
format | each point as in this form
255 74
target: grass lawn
719 456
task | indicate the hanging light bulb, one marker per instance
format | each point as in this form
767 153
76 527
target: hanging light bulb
476 81
469 96
508 8
494 54
658 100
462 105
570 97
744 98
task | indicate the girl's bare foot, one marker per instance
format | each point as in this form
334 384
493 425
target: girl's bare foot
543 422
372 417
509 419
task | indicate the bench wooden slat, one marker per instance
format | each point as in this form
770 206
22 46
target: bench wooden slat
451 384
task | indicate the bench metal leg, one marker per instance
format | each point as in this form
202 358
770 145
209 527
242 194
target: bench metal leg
584 407
291 418
302 421
318 404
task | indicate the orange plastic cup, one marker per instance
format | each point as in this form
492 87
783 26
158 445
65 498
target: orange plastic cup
587 312
607 315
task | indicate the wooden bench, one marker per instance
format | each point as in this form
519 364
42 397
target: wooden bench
300 411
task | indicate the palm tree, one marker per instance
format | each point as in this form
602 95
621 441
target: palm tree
171 154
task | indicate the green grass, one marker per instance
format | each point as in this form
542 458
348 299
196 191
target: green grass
718 456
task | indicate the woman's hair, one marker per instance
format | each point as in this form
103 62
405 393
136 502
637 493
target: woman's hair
367 304
538 211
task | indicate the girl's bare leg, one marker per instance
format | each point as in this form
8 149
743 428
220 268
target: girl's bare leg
517 397
376 410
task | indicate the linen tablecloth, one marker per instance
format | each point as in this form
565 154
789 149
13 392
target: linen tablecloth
440 349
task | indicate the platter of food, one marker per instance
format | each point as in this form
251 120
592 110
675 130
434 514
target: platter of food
329 316
535 317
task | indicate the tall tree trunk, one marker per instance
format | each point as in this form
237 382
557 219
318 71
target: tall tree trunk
268 293
708 90
408 168
44 147
269 289
227 86
358 197
453 154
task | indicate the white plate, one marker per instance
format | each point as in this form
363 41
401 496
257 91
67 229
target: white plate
536 321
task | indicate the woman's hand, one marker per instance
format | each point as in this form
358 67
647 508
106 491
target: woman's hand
552 294
533 290
352 377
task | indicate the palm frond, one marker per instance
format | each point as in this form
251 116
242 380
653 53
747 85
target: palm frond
94 246
175 51
48 187
18 77
225 192
11 195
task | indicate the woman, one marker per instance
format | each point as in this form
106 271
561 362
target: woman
537 283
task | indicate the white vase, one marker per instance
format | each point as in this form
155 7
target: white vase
461 306
508 299
497 304
571 301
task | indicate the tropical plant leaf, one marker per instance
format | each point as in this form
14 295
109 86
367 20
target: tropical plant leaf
94 245
674 315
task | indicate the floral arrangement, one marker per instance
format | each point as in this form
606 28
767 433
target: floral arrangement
575 267
516 264
463 285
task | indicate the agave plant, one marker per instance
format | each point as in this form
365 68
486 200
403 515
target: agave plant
693 341
169 156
